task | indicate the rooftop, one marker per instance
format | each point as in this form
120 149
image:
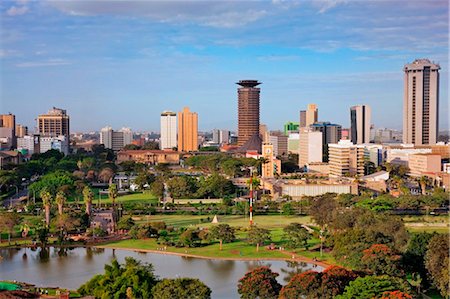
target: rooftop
248 83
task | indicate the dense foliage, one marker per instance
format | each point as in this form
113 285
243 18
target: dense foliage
374 287
181 288
259 283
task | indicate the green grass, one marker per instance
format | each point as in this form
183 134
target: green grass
266 221
428 229
236 249
144 198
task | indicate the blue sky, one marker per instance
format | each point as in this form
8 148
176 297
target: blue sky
121 63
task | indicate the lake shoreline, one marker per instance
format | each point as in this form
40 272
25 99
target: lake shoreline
297 258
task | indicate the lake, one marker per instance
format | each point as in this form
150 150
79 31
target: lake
71 267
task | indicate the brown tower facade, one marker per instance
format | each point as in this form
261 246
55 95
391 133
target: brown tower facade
248 110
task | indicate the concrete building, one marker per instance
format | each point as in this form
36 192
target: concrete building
291 127
270 168
9 158
422 163
54 123
346 158
384 135
248 110
187 130
312 115
221 136
8 121
151 157
310 147
360 124
421 102
6 138
263 132
21 131
28 143
168 139
280 144
302 122
297 189
401 156
115 140
374 153
59 143
345 134
331 133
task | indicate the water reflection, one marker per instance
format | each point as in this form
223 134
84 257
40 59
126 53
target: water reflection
71 267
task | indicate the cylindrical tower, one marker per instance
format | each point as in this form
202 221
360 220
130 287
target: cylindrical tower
248 110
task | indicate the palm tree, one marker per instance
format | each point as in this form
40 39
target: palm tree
88 196
46 197
60 200
112 194
423 181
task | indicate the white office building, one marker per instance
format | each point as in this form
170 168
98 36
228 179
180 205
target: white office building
168 139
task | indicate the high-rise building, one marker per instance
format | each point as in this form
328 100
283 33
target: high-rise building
310 147
331 133
360 124
302 118
248 110
221 136
115 140
54 123
421 102
346 158
21 130
187 130
8 121
263 132
290 127
168 139
280 144
312 115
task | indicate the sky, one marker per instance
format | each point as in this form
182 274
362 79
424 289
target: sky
121 63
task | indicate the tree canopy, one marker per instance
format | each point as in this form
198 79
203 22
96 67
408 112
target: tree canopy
181 288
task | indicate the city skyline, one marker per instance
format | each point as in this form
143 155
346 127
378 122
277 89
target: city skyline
116 61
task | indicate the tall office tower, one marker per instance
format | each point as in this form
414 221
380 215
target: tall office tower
127 135
21 131
346 158
106 137
248 110
360 124
8 122
221 136
263 131
115 140
331 133
302 118
187 130
421 102
168 139
312 115
54 123
279 143
310 147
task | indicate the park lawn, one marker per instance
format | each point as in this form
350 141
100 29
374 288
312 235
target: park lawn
428 229
237 249
265 221
144 198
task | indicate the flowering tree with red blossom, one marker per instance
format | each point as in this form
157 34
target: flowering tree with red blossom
381 260
259 283
395 295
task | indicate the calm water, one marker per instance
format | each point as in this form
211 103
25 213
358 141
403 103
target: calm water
69 268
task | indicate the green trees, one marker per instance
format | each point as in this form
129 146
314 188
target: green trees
181 288
259 283
190 237
88 196
373 287
137 277
257 236
112 193
322 208
52 182
223 233
296 236
437 262
60 200
46 197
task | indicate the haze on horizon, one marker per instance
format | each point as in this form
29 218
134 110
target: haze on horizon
121 63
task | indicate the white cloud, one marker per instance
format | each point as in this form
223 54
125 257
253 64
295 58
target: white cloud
46 63
17 11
